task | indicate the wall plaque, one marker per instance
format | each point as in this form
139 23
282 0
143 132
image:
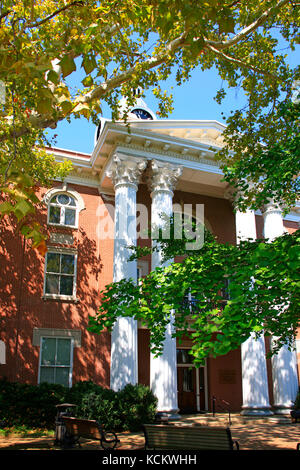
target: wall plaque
227 376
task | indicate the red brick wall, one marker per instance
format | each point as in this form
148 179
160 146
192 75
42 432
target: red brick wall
21 290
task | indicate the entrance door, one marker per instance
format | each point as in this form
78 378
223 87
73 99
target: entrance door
190 383
186 383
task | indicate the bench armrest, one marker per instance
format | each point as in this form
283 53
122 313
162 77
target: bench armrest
109 439
236 444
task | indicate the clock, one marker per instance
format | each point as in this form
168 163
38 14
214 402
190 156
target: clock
141 113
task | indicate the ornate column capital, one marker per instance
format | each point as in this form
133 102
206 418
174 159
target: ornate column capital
271 208
164 176
126 170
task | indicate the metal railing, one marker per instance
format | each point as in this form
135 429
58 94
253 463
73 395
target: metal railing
221 404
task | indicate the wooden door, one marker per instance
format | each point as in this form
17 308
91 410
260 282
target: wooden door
186 383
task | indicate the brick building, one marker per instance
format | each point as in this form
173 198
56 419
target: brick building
91 218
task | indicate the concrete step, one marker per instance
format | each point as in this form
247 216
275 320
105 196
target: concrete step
235 418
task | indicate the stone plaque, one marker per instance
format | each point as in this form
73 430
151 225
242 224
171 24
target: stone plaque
227 376
61 238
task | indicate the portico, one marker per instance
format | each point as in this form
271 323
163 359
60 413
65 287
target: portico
167 161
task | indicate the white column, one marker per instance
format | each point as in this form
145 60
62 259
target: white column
254 368
125 173
163 369
284 363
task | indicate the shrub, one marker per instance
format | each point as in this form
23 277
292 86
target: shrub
125 410
297 401
29 405
102 406
35 405
137 405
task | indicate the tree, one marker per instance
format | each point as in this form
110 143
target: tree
220 293
263 173
122 45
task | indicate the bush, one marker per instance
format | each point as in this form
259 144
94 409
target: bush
137 405
125 410
297 401
30 405
35 405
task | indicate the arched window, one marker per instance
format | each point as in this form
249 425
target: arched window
63 210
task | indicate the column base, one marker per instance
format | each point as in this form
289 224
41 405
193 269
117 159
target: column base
256 412
282 410
165 416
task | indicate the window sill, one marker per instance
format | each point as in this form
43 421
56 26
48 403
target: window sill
62 298
71 227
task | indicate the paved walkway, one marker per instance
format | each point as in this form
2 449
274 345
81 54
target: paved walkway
251 435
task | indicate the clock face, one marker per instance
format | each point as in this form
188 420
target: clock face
142 113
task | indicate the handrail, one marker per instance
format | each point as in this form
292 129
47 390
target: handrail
220 402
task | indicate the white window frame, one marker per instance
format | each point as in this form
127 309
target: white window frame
61 251
56 366
62 211
70 192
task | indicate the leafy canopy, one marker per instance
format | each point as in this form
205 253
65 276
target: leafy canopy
138 43
220 294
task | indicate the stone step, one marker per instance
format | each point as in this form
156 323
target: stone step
222 418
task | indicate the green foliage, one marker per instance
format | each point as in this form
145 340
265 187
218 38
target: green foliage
35 405
124 410
137 405
29 405
297 401
263 294
262 172
123 45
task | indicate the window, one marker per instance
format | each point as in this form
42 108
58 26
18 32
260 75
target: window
62 210
56 361
187 382
184 356
60 274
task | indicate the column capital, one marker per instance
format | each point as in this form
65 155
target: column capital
271 208
164 176
126 170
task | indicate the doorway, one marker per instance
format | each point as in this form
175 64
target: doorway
191 384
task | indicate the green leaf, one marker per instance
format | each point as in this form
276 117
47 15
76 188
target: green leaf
67 65
24 208
53 77
6 207
89 64
44 106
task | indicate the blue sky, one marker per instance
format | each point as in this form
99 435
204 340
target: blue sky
193 100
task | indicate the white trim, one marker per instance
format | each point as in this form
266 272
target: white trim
64 190
80 205
67 251
2 352
198 402
56 332
71 357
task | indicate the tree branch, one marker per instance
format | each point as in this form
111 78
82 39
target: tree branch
103 89
240 62
57 12
3 15
248 30
149 64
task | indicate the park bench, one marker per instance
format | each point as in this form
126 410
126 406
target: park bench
184 437
89 429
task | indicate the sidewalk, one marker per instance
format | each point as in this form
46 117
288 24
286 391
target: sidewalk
252 434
